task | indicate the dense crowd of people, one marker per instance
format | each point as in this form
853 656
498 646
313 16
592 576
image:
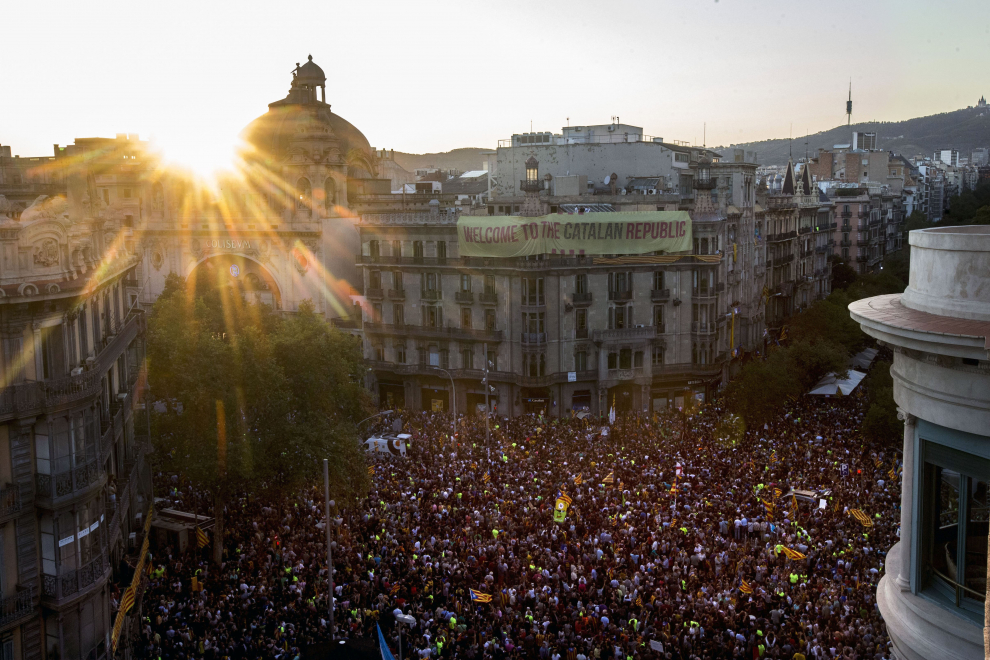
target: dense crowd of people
680 541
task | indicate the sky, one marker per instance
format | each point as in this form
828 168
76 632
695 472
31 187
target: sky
433 76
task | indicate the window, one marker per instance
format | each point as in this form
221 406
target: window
418 250
303 193
658 280
657 355
619 317
620 283
490 320
613 360
126 193
492 361
489 285
399 314
441 250
658 317
581 361
379 352
444 358
581 324
376 312
955 507
681 158
581 283
533 322
638 360
329 193
397 280
432 316
400 353
625 358
431 280
434 356
396 249
375 279
465 282
467 359
374 249
466 318
532 291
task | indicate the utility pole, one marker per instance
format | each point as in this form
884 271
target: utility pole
326 502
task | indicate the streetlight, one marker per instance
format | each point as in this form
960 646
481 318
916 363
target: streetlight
409 621
384 412
453 400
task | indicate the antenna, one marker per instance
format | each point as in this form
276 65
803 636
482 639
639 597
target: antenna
790 138
568 122
849 105
704 134
530 125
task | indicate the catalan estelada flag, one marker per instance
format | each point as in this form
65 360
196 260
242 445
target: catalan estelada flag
863 519
201 538
577 480
744 587
777 492
479 597
793 554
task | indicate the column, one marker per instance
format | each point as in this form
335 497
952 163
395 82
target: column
39 367
903 579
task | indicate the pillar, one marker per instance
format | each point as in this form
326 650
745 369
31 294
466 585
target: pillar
903 579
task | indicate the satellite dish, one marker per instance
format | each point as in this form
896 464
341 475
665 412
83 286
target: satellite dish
607 179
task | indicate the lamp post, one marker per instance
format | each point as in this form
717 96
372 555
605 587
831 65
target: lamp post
384 412
409 621
453 401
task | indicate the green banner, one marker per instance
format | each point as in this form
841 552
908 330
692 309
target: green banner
591 233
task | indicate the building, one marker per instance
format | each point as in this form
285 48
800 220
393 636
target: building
72 432
563 333
799 226
947 156
933 591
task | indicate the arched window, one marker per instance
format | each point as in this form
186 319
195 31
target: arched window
303 194
330 193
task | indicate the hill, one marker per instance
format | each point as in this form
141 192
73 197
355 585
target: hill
963 130
466 159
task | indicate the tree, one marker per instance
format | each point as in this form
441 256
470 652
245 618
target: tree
842 275
828 320
810 361
237 409
880 423
761 389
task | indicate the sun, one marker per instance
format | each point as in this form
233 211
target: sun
205 156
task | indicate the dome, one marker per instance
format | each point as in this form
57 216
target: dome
271 133
311 72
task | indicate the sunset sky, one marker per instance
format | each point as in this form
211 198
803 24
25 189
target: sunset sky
432 76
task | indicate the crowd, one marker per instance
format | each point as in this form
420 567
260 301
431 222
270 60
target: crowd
680 541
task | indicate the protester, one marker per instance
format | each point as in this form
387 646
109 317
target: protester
698 565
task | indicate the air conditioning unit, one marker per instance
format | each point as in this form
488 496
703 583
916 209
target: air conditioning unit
611 128
651 191
76 371
622 192
640 326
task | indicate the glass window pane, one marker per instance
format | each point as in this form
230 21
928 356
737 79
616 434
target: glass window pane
976 541
944 552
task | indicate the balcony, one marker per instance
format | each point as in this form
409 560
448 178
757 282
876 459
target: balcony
437 332
34 397
701 328
464 297
620 296
804 230
581 333
625 334
533 337
71 582
19 605
701 294
10 501
782 236
67 482
431 294
821 249
845 243
862 244
374 294
397 294
488 298
660 295
807 253
581 298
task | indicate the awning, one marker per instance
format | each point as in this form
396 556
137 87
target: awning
864 358
832 386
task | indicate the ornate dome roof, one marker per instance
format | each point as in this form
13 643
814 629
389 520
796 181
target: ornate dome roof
271 133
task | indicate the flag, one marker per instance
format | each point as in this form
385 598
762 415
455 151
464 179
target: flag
611 414
560 508
777 492
127 600
201 538
745 588
609 479
773 457
863 519
382 646
394 590
893 472
876 462
577 480
371 470
639 601
769 506
793 554
486 478
794 506
505 597
479 597
783 333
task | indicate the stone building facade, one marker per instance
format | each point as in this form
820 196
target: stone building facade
72 432
933 591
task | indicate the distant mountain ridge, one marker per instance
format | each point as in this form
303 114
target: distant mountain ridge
963 130
465 159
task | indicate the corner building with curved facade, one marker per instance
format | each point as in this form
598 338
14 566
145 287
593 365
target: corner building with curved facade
933 593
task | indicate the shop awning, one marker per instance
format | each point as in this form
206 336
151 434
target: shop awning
830 385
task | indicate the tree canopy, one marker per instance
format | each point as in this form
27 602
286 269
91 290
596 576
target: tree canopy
247 399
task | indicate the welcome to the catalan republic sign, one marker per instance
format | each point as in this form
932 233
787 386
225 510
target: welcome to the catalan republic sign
592 233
